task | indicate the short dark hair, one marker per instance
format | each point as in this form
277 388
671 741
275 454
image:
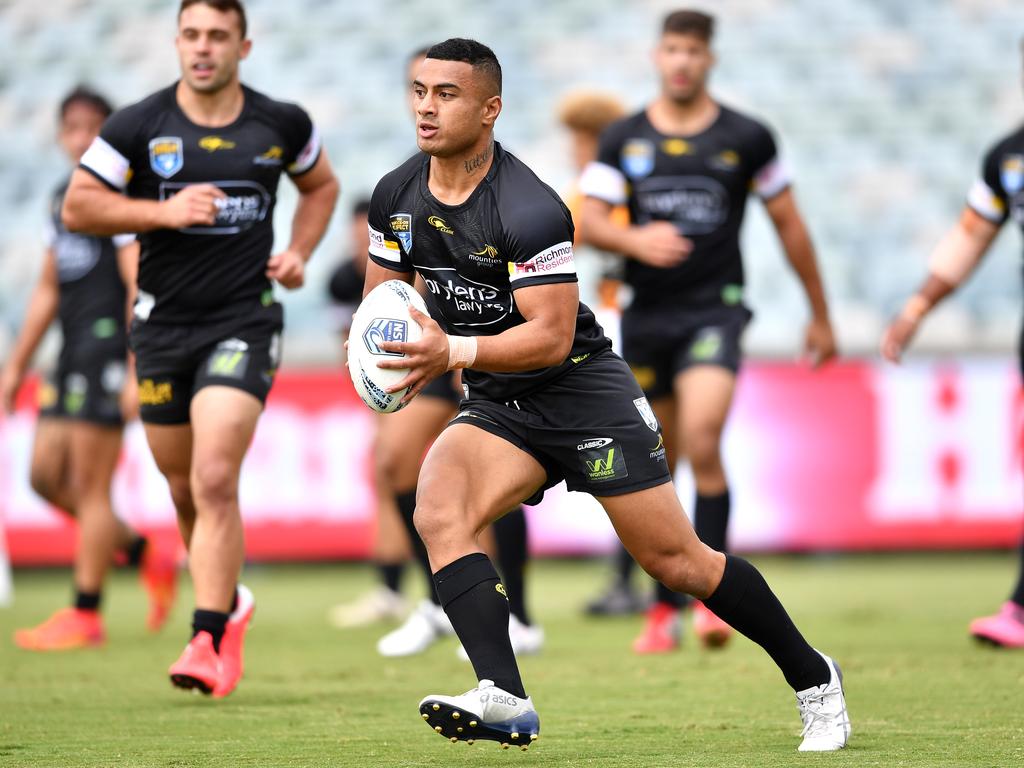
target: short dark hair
83 94
687 22
362 207
477 55
224 6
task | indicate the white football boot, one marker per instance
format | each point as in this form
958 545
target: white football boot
379 604
486 712
823 712
527 639
425 626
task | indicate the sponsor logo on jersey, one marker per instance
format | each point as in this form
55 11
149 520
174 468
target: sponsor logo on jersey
383 329
676 147
153 393
273 156
594 442
726 160
166 155
603 463
698 205
246 204
556 260
401 225
465 302
213 143
487 256
500 589
638 158
440 224
579 358
658 452
1011 174
647 413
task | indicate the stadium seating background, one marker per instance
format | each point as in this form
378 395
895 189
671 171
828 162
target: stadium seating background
883 108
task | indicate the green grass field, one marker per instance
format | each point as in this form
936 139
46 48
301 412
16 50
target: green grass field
919 693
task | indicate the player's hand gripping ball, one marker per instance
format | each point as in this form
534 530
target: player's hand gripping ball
383 316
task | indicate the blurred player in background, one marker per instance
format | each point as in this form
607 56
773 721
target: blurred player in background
194 168
547 400
996 196
586 114
86 283
402 441
685 166
390 543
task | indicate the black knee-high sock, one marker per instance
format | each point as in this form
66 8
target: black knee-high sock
213 622
711 519
746 602
391 575
512 539
474 599
134 551
625 565
407 506
1018 592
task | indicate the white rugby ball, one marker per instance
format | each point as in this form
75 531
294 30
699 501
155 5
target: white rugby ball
382 316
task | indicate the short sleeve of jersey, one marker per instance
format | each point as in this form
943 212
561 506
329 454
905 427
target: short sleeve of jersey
987 197
385 249
770 176
303 139
603 178
108 156
538 242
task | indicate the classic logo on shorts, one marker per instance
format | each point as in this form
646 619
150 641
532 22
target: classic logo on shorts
603 462
213 143
1011 174
401 225
383 329
638 158
644 408
166 155
594 442
440 224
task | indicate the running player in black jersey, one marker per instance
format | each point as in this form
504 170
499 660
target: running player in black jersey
685 166
995 197
84 283
546 400
194 168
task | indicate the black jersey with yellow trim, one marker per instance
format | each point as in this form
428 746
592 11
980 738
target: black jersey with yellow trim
700 183
92 299
513 232
152 150
998 193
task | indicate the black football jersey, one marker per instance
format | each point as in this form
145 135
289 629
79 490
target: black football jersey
512 232
700 183
998 194
92 293
152 150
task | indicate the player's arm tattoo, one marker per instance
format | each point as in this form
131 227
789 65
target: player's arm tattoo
479 159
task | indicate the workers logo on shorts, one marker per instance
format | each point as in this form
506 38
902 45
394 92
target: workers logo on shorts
1011 174
229 360
602 460
401 225
166 155
647 413
708 345
638 158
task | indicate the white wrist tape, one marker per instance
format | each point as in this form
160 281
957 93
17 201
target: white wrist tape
461 351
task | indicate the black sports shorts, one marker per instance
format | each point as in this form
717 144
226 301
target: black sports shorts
592 427
87 383
659 344
173 362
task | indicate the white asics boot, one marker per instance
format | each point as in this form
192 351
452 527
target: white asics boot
823 712
526 639
486 712
379 604
425 626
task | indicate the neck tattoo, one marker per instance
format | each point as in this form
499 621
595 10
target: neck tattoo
479 160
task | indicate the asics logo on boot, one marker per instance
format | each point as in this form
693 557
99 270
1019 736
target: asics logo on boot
502 698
